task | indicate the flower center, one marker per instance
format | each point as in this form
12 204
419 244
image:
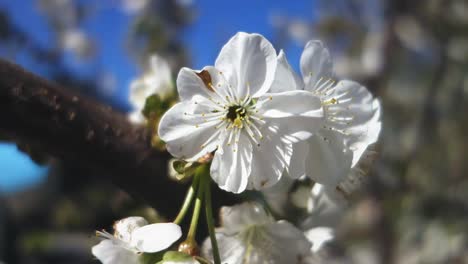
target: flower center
236 112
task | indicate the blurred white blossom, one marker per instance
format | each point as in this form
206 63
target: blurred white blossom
134 6
64 16
434 244
248 234
412 34
157 79
77 42
372 53
318 236
132 236
300 31
325 207
278 195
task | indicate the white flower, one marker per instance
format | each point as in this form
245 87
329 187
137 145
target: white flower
325 207
134 235
249 235
318 236
134 6
77 42
156 80
351 119
227 108
278 196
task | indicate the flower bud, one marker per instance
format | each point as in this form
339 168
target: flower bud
189 247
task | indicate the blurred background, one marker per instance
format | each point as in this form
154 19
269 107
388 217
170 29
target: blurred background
413 55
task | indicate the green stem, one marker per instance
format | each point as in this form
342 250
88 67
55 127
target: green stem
187 201
196 210
210 222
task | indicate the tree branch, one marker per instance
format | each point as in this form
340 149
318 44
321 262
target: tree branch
68 126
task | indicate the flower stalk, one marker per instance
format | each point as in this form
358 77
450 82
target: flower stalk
210 222
188 201
190 246
198 204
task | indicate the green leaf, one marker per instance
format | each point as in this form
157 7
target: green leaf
153 106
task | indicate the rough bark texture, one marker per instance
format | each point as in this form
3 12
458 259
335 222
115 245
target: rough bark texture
60 122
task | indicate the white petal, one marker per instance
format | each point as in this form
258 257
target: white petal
357 177
139 91
296 115
325 207
220 85
329 161
285 78
109 253
156 80
356 104
123 228
231 249
283 243
155 237
316 64
370 132
236 218
277 196
189 85
187 133
299 197
248 60
274 243
231 167
269 160
136 117
318 236
249 235
160 68
297 168
289 104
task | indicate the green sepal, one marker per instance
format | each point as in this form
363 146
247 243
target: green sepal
179 166
154 106
202 260
184 169
151 258
175 256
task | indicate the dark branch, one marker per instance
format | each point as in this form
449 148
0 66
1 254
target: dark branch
71 127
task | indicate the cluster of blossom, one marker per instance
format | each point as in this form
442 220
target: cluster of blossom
259 126
64 17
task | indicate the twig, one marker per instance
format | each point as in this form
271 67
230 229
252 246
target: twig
71 127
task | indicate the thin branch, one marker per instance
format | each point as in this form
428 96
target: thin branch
68 126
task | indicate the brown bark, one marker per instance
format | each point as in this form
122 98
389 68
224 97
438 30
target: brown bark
68 126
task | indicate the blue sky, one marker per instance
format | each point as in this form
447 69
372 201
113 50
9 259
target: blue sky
215 23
